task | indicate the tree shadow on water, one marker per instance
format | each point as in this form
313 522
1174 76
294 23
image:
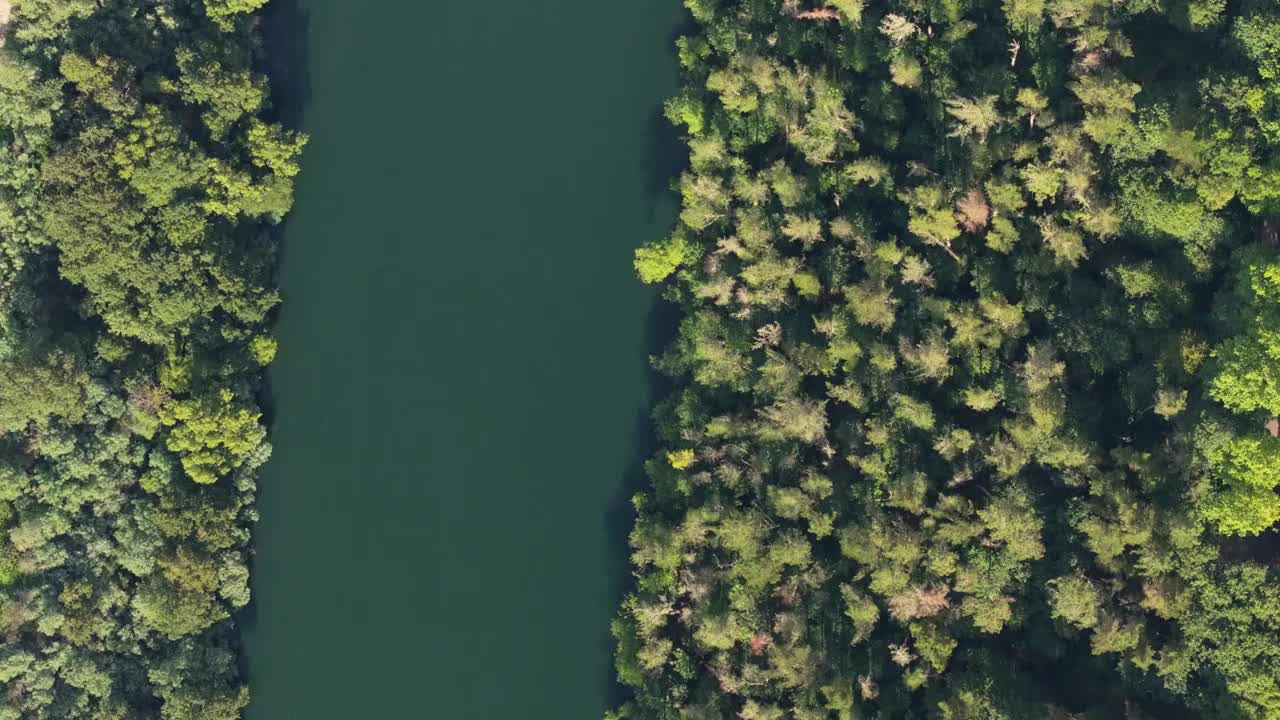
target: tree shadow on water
660 329
286 33
664 160
286 36
665 157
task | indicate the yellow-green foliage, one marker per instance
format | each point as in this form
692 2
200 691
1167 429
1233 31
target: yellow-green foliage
264 349
1248 376
680 459
1247 469
657 261
222 11
212 434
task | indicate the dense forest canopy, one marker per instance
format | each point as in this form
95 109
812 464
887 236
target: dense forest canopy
139 174
979 367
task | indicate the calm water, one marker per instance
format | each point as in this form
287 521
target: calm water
461 392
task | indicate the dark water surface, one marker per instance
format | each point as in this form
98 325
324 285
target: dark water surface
460 394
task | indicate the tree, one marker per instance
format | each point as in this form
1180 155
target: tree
173 612
35 389
972 211
975 117
1075 600
850 10
1247 471
1247 376
213 434
1259 35
201 703
222 12
655 262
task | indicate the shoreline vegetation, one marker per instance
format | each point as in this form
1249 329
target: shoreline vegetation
978 370
139 180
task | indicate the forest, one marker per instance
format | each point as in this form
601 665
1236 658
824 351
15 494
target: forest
977 377
141 175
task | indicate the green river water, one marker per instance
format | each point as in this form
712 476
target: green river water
460 399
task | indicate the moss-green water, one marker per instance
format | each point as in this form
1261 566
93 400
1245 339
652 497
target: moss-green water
460 396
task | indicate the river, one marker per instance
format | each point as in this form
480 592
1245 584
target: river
460 399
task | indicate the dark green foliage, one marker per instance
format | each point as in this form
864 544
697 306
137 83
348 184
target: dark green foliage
977 373
135 287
